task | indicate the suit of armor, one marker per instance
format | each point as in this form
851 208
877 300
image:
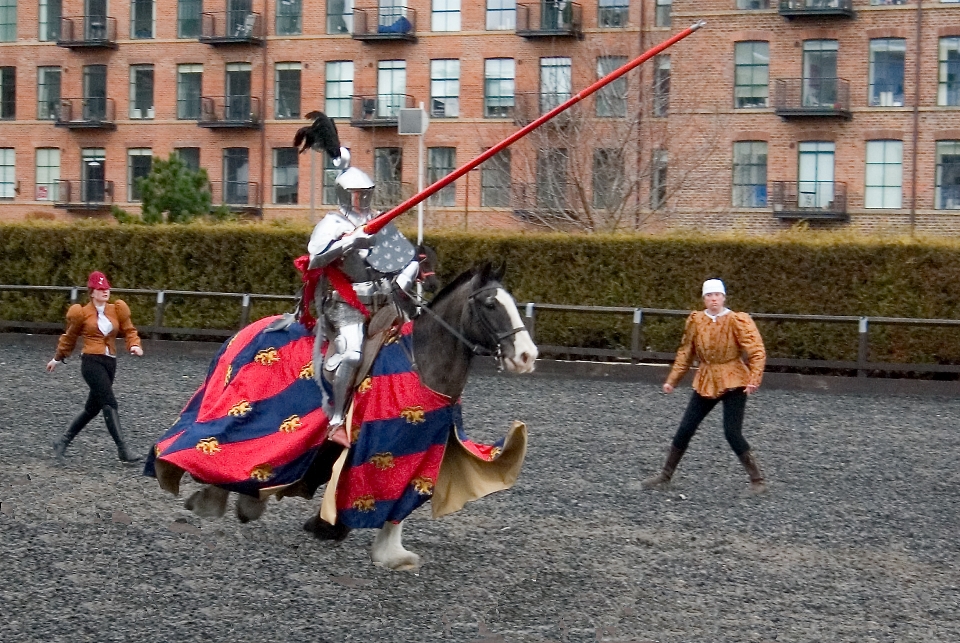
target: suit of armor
339 242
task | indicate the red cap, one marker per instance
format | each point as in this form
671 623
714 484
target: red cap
98 281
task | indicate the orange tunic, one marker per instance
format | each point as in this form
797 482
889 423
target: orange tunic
82 322
718 346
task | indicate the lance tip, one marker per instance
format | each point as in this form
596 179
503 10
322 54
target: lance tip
698 24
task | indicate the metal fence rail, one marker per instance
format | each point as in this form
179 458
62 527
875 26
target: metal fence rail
635 354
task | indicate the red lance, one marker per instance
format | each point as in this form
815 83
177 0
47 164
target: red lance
373 226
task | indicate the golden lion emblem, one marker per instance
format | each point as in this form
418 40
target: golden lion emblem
413 414
365 385
262 472
208 446
226 378
494 452
157 450
355 433
423 485
382 461
267 356
240 409
365 503
291 424
306 373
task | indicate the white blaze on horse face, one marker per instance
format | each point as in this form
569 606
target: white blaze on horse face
524 350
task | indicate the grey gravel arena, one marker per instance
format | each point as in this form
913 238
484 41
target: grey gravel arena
856 541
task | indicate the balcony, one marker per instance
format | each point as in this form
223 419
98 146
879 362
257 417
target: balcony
95 195
239 196
529 106
550 20
385 23
88 32
812 97
229 112
86 114
231 28
790 9
378 110
809 200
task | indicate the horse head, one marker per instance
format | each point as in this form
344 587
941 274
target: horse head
427 258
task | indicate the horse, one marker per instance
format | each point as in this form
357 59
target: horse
473 315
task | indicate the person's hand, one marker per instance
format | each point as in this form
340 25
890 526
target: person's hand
359 239
52 365
136 350
751 389
667 388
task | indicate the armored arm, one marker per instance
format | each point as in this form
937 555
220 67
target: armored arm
332 238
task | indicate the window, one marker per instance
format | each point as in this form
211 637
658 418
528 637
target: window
240 20
95 93
554 82
948 175
815 175
139 161
819 73
339 16
188 18
612 13
8 20
612 98
287 90
661 85
391 87
387 163
750 174
236 176
189 84
658 179
237 104
498 76
444 88
93 184
552 177
142 18
608 179
50 13
662 17
47 182
501 14
445 15
48 93
495 181
753 4
289 17
892 2
190 157
441 161
141 91
884 185
8 92
330 174
751 74
286 170
8 181
886 71
949 90
339 88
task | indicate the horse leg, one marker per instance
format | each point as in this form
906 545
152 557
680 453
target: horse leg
323 530
249 508
209 502
388 551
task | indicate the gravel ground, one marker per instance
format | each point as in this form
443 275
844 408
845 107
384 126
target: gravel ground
855 542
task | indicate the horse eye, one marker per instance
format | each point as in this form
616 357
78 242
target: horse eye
490 302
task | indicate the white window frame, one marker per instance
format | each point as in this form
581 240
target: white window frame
495 70
286 66
391 87
883 184
43 91
338 88
137 114
8 172
941 202
445 88
153 20
274 183
445 15
133 152
447 196
6 8
501 15
47 179
189 69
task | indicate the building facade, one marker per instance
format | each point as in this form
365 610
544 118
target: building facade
843 113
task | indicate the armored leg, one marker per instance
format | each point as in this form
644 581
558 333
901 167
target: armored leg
340 368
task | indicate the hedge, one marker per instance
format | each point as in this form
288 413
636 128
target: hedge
805 273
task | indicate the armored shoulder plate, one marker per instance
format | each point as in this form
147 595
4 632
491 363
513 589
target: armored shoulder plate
330 228
391 251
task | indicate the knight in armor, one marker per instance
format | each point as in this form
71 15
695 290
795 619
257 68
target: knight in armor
360 275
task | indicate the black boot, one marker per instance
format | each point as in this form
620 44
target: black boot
112 418
60 446
663 478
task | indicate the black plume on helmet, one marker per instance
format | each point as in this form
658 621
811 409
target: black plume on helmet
320 135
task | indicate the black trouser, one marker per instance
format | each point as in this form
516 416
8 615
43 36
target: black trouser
734 403
98 371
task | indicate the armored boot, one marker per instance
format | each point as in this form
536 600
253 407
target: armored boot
60 446
112 417
663 478
749 461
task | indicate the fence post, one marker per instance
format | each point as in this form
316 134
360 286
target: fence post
863 348
636 337
74 295
530 321
158 315
245 311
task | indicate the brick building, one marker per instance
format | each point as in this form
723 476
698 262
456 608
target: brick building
777 111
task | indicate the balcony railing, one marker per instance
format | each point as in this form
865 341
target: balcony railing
88 32
805 97
809 199
230 112
385 23
528 106
549 19
378 110
86 113
231 28
239 196
91 194
816 8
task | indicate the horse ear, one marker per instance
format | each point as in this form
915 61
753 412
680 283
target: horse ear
500 270
484 273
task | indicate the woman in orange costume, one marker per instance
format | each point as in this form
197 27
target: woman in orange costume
99 323
717 337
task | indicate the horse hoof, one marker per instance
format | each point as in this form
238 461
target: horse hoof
209 502
249 508
404 562
323 530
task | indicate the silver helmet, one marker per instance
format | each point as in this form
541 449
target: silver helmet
354 187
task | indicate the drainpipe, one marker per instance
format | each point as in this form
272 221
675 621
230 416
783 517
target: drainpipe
916 122
263 112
